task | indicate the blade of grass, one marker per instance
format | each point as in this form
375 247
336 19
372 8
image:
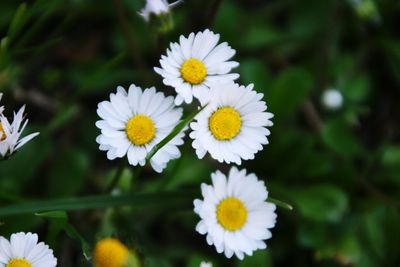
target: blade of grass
178 128
176 198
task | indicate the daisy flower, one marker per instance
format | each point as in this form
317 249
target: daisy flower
10 133
156 7
232 126
134 122
193 64
234 213
110 252
23 250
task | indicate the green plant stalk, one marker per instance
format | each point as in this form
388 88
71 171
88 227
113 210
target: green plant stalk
178 128
174 198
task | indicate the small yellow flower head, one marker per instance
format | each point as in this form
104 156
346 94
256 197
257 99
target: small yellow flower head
110 252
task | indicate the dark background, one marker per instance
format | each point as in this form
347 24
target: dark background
340 169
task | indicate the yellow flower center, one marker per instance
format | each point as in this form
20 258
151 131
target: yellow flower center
225 123
110 252
18 263
193 71
140 130
231 214
2 133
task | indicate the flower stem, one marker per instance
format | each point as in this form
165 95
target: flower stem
116 178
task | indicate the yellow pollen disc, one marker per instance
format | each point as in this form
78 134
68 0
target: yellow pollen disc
140 130
231 214
110 252
2 133
225 123
193 71
18 263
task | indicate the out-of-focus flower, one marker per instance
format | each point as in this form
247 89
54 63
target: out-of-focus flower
10 133
233 125
157 14
156 7
332 99
234 213
23 250
194 64
110 252
205 264
134 122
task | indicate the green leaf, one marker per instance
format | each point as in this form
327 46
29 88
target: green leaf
289 92
60 215
178 128
280 203
391 156
255 71
59 221
320 202
338 137
17 21
260 258
70 166
261 36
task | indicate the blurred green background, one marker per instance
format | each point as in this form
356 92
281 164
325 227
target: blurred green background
340 169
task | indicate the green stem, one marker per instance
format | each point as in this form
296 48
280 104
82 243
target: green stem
178 128
116 178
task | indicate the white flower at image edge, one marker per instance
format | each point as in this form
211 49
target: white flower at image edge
10 133
156 7
23 250
235 216
134 122
1 107
196 62
233 125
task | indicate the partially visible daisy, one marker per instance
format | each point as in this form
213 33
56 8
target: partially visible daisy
1 107
110 252
23 250
234 213
10 133
134 122
233 125
156 7
193 64
205 264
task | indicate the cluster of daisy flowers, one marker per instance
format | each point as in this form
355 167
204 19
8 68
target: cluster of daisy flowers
11 131
230 126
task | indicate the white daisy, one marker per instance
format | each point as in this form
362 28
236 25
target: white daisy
23 250
10 133
156 7
193 64
205 264
232 126
134 122
234 213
